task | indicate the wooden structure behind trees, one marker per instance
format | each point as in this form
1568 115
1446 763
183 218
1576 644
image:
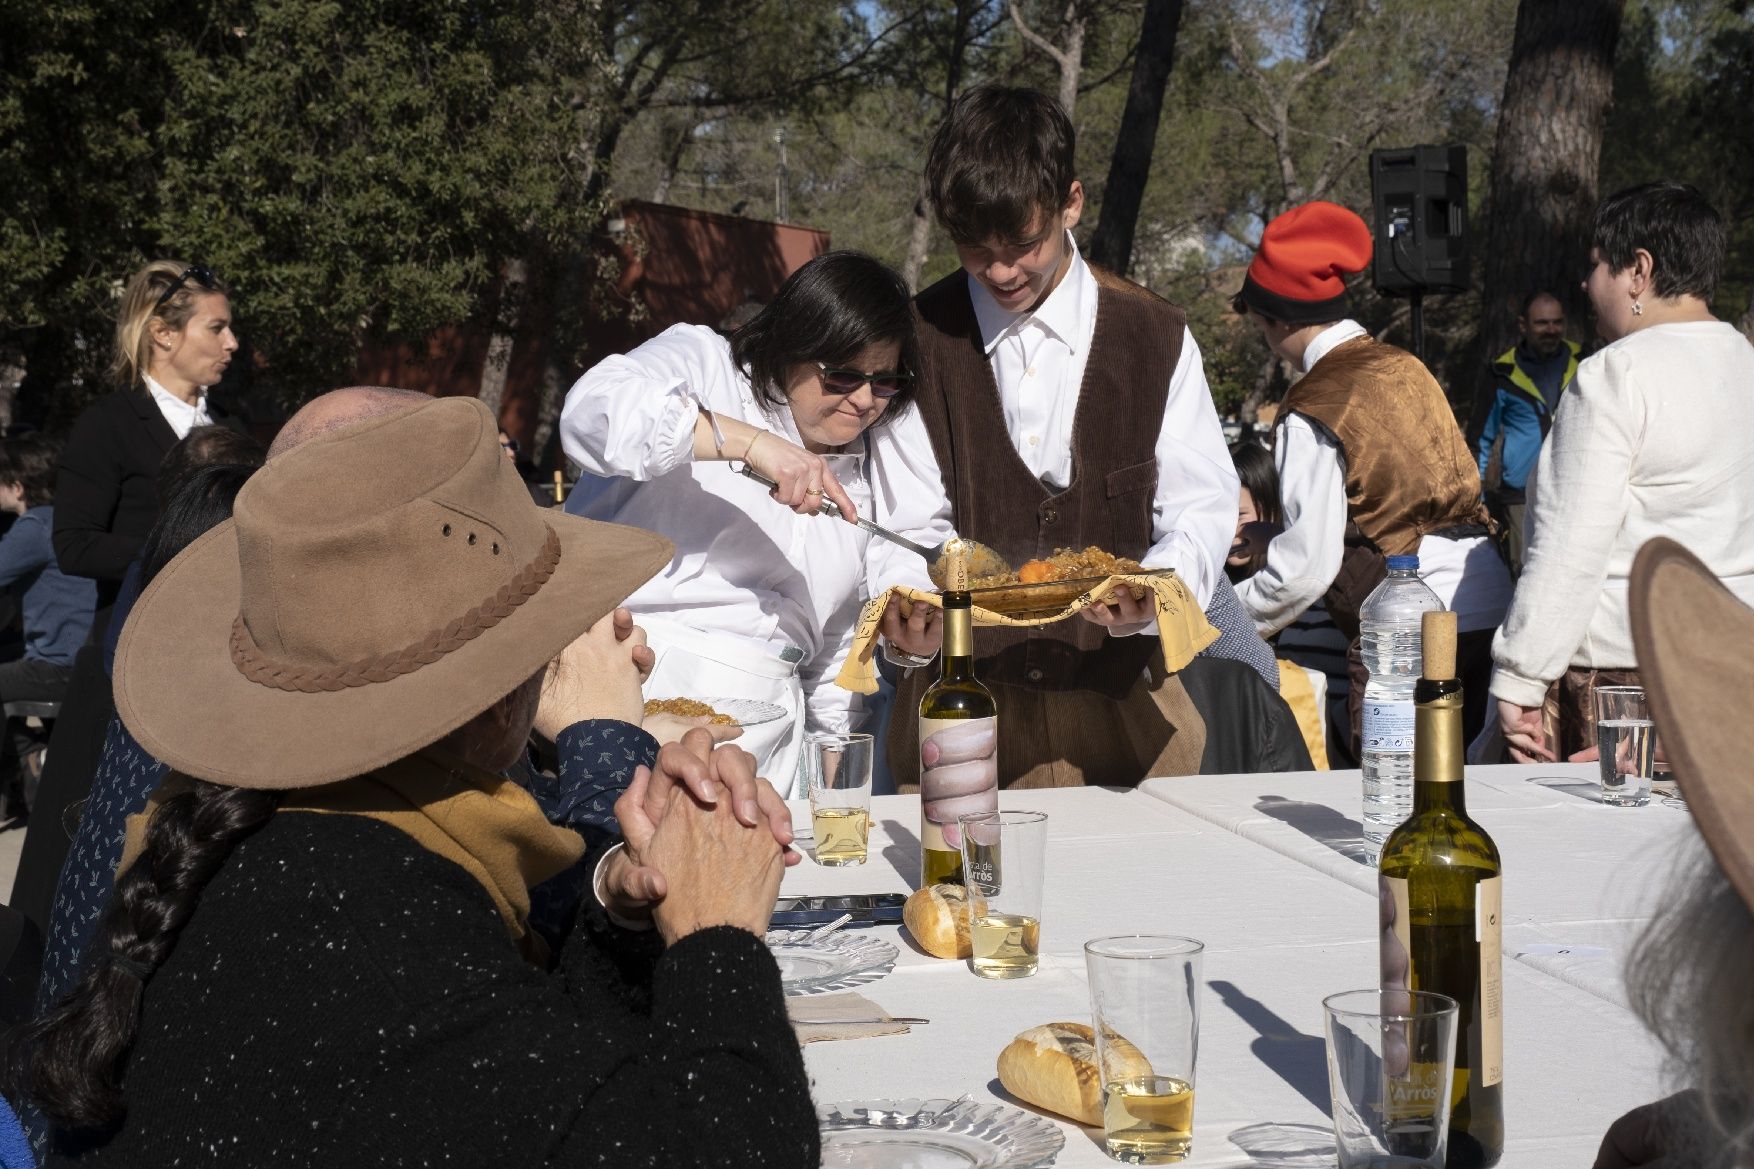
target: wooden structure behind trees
677 266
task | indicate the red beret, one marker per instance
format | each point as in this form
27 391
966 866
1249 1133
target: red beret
1298 275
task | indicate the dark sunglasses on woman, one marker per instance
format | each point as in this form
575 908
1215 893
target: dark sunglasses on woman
200 276
845 381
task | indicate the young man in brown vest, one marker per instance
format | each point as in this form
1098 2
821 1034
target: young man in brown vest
1371 462
1067 407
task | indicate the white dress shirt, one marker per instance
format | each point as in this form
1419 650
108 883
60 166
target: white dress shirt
1038 360
1304 559
181 415
745 566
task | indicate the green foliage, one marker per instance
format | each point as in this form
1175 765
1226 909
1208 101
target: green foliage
1683 84
364 168
1339 78
353 169
360 168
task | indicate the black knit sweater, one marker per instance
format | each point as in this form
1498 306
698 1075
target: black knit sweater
341 997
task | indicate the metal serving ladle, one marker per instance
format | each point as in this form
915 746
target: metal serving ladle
982 560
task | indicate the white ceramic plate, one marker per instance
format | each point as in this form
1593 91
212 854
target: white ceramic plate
935 1134
835 962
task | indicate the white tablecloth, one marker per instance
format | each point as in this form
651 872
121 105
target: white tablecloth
1258 867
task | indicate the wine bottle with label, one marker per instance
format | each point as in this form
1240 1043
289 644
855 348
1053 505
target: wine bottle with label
1441 906
959 747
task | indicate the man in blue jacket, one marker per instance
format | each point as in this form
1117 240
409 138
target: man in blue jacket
57 608
1527 381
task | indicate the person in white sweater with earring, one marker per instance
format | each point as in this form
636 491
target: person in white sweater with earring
1653 439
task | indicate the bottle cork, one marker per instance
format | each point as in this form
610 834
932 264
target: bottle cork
1439 637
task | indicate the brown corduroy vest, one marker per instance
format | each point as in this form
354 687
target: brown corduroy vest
998 501
1409 472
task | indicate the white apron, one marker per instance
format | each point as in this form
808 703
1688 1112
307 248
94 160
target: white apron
703 666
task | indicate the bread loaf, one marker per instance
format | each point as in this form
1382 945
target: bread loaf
937 917
1054 1067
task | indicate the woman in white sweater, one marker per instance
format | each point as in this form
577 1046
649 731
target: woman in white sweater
1653 439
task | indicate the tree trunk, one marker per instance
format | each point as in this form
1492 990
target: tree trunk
1546 160
1130 166
1072 65
672 163
514 278
919 241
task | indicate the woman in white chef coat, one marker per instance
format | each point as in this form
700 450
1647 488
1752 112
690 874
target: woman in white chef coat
761 598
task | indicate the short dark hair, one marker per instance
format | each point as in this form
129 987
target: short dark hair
1531 298
1672 221
202 500
205 446
828 311
29 461
1001 160
1254 466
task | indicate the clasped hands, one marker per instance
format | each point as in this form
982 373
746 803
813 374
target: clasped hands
707 841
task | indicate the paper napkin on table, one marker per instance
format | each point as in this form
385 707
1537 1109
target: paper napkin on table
813 1017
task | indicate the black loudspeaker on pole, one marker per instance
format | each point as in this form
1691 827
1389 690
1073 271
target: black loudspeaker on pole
1419 205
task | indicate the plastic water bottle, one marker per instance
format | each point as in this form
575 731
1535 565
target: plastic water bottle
1391 643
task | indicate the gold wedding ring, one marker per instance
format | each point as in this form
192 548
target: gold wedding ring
812 491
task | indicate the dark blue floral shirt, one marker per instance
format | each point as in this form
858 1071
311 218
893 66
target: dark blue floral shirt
597 761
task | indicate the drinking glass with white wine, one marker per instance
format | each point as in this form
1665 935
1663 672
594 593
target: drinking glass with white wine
1003 855
1145 1010
838 768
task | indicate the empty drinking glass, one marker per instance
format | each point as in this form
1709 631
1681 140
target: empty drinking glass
1391 1056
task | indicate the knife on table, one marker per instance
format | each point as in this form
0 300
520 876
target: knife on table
830 508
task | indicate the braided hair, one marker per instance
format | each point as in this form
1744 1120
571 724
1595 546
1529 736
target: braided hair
69 1062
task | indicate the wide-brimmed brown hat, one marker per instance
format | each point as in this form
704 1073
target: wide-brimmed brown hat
1693 639
376 588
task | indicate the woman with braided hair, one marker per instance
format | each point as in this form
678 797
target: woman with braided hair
319 950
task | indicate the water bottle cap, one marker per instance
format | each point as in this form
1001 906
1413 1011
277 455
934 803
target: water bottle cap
1403 564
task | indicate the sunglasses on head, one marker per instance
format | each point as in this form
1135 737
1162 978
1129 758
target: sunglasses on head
200 276
845 381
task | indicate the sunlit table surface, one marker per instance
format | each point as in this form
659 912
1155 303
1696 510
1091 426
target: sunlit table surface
1284 923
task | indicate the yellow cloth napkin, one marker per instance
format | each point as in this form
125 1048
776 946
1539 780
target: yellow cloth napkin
1181 625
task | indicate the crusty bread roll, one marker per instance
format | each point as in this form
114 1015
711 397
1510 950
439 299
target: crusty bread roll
1054 1067
937 917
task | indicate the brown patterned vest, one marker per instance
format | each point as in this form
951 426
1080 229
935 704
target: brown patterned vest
1409 472
999 501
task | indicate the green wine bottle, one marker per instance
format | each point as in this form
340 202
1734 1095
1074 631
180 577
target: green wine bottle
959 748
1442 906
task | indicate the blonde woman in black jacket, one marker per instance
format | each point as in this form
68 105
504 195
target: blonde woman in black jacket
173 340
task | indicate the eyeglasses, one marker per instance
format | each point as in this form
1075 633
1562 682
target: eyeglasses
845 381
201 276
